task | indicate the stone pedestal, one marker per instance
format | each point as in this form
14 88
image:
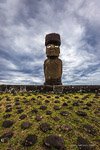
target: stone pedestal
52 65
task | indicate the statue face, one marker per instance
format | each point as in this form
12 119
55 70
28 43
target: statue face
52 50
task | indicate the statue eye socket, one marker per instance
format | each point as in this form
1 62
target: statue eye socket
56 46
48 46
52 46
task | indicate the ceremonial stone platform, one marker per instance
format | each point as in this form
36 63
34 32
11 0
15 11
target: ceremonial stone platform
50 88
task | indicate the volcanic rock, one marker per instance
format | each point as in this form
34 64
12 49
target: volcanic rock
64 104
97 112
30 140
39 103
25 125
65 128
70 108
83 144
57 107
16 100
25 101
33 99
8 106
8 110
43 107
56 101
39 96
38 118
45 127
47 101
90 129
81 101
67 97
48 96
17 103
81 113
76 97
87 108
54 142
48 112
7 116
7 123
85 97
64 113
76 103
6 136
89 104
35 110
19 111
56 96
8 99
23 116
18 107
56 118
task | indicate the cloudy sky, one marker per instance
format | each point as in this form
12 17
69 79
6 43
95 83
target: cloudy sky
23 26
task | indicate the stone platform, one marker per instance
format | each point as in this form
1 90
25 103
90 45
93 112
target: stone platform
49 88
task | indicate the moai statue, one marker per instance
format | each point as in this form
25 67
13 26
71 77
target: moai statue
52 65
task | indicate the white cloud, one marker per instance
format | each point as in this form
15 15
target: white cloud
22 33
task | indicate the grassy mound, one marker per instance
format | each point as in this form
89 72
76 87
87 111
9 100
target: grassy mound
27 120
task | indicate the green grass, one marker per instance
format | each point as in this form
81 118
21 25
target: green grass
73 120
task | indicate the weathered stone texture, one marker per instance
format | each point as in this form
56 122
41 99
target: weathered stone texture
53 65
52 38
52 50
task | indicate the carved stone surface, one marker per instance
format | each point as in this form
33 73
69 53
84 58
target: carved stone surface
52 50
52 38
53 70
53 65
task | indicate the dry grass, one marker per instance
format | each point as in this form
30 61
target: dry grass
72 119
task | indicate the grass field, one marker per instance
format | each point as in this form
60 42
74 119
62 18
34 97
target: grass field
73 117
